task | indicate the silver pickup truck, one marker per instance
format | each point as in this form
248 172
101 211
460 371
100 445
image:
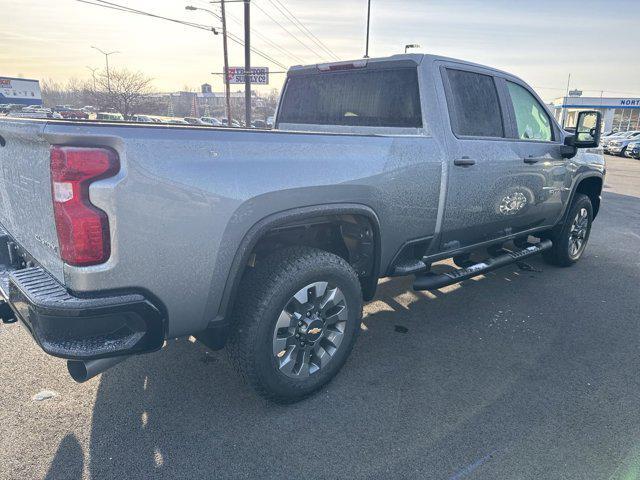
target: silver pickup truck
116 237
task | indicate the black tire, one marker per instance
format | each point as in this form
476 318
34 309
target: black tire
263 295
561 254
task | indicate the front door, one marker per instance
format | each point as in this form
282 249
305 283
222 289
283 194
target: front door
538 143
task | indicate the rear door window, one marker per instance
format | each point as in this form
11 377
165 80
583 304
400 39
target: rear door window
473 103
371 98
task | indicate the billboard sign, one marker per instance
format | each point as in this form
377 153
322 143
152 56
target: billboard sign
20 90
259 75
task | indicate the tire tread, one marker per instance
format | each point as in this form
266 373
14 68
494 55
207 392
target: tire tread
263 282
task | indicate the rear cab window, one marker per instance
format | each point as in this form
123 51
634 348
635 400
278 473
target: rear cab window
357 98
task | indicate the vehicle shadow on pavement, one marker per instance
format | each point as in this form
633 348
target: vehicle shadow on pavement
489 372
68 462
183 412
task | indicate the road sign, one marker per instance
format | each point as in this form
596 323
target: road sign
259 75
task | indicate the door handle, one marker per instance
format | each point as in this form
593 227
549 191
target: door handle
464 162
531 160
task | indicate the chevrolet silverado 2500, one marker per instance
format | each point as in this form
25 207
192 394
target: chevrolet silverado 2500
116 237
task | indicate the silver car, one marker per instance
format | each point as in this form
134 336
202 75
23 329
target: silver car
618 145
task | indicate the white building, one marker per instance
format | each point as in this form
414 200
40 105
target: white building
21 91
619 114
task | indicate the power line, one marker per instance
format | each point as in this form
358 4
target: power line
270 42
122 8
288 31
237 40
293 19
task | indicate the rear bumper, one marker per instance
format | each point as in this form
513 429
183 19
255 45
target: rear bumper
74 327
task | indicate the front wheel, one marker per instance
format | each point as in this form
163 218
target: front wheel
571 240
296 321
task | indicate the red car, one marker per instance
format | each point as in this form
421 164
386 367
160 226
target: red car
70 112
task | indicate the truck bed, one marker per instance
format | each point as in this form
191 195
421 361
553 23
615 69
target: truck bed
185 197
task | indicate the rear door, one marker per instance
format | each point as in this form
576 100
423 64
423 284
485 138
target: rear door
491 191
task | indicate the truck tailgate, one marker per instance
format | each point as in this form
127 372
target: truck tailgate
26 208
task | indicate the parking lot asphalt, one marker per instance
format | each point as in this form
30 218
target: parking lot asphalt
516 375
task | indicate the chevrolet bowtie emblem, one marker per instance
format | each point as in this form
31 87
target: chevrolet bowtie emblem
313 331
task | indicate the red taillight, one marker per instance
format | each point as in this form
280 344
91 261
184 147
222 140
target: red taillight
83 229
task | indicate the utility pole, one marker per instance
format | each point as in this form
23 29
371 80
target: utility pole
564 102
366 53
106 57
247 63
227 89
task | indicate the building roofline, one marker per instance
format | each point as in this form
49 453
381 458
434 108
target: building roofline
18 78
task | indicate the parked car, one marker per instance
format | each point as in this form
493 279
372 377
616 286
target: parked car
176 121
109 117
609 133
68 112
31 108
194 121
618 145
142 119
32 113
234 123
36 109
214 122
10 108
259 124
605 141
269 241
633 150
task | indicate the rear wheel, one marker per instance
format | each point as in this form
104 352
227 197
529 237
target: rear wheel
296 322
571 240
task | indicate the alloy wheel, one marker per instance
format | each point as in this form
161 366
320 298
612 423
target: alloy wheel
310 329
578 233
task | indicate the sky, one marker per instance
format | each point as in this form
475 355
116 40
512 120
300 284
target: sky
541 41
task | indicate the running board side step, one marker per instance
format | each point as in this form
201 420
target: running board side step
432 281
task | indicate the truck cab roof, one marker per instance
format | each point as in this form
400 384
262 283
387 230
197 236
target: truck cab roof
383 62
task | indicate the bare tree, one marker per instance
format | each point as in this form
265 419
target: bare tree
73 92
125 92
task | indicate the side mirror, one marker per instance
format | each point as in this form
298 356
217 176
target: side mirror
588 129
585 135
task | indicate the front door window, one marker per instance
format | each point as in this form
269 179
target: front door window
531 118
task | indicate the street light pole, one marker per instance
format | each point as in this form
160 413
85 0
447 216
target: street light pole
247 63
366 53
93 75
227 89
106 57
224 48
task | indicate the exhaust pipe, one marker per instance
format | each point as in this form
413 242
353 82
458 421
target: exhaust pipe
82 371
